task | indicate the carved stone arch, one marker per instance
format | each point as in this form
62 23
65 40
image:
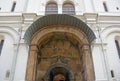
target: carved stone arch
59 19
110 29
41 34
63 24
69 1
46 77
117 37
51 1
13 33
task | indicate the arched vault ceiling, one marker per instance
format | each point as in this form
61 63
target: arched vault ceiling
58 19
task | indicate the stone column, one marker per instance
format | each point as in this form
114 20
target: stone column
31 64
89 74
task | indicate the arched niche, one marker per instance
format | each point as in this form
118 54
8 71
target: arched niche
64 30
58 72
59 19
58 49
8 30
59 40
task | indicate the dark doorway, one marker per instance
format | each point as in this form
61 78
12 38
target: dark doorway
59 74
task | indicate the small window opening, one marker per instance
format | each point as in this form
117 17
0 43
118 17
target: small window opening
68 8
1 45
117 8
112 73
118 47
51 8
0 8
13 7
7 74
105 6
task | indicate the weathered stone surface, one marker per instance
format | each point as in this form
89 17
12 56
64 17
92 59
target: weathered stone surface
88 64
31 65
60 50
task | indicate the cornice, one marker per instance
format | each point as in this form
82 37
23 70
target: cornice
103 18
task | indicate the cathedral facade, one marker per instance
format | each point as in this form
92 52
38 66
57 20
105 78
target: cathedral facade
59 40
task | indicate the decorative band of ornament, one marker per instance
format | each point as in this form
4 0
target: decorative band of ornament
58 19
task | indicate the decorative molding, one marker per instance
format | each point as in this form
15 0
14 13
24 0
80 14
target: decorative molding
85 47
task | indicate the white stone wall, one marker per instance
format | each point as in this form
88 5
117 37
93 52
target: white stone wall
6 5
112 5
8 50
21 63
38 6
111 50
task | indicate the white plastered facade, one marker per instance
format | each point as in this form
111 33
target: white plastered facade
105 25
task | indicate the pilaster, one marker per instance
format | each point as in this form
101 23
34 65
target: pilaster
88 64
31 65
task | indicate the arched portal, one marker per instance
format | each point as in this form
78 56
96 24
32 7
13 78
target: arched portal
60 44
58 48
58 72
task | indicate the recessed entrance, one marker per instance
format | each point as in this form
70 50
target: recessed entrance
59 74
59 52
61 57
59 49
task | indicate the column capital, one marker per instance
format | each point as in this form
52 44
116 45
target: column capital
86 47
33 47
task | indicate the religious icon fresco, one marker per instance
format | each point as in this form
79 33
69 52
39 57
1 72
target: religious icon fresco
59 49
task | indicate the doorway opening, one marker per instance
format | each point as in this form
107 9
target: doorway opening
59 74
